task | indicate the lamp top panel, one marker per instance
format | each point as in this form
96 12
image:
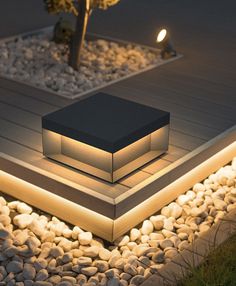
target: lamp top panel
107 122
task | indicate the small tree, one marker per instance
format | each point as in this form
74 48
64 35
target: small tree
82 10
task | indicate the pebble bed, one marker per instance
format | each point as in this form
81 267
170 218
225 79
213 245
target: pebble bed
43 63
38 249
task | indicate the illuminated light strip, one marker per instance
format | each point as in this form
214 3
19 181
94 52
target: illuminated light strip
225 139
173 190
101 225
55 205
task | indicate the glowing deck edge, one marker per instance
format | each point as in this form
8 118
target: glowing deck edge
99 224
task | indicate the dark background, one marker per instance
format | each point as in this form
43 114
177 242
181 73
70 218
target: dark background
195 24
204 31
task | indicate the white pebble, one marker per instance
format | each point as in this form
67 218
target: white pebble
158 221
219 204
134 234
183 199
24 208
5 219
199 188
91 251
89 271
123 240
85 238
23 220
84 261
37 227
168 225
104 254
3 202
147 227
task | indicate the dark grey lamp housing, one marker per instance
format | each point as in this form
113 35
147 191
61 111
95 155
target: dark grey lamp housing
164 42
105 136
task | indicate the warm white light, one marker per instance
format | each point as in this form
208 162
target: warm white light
108 166
161 35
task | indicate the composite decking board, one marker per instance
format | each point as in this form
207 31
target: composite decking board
188 85
202 135
212 64
21 117
43 96
17 150
213 77
203 66
32 140
62 189
174 153
187 89
134 178
33 122
193 129
162 96
175 74
36 159
100 186
129 181
25 102
185 80
37 146
156 166
184 141
21 135
53 108
224 112
176 109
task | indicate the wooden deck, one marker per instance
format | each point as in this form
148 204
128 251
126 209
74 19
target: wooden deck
20 137
198 90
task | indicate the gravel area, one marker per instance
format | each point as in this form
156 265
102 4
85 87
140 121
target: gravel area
43 63
38 249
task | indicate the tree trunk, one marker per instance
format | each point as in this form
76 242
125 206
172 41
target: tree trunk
80 30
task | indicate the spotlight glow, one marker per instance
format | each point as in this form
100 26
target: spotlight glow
161 35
